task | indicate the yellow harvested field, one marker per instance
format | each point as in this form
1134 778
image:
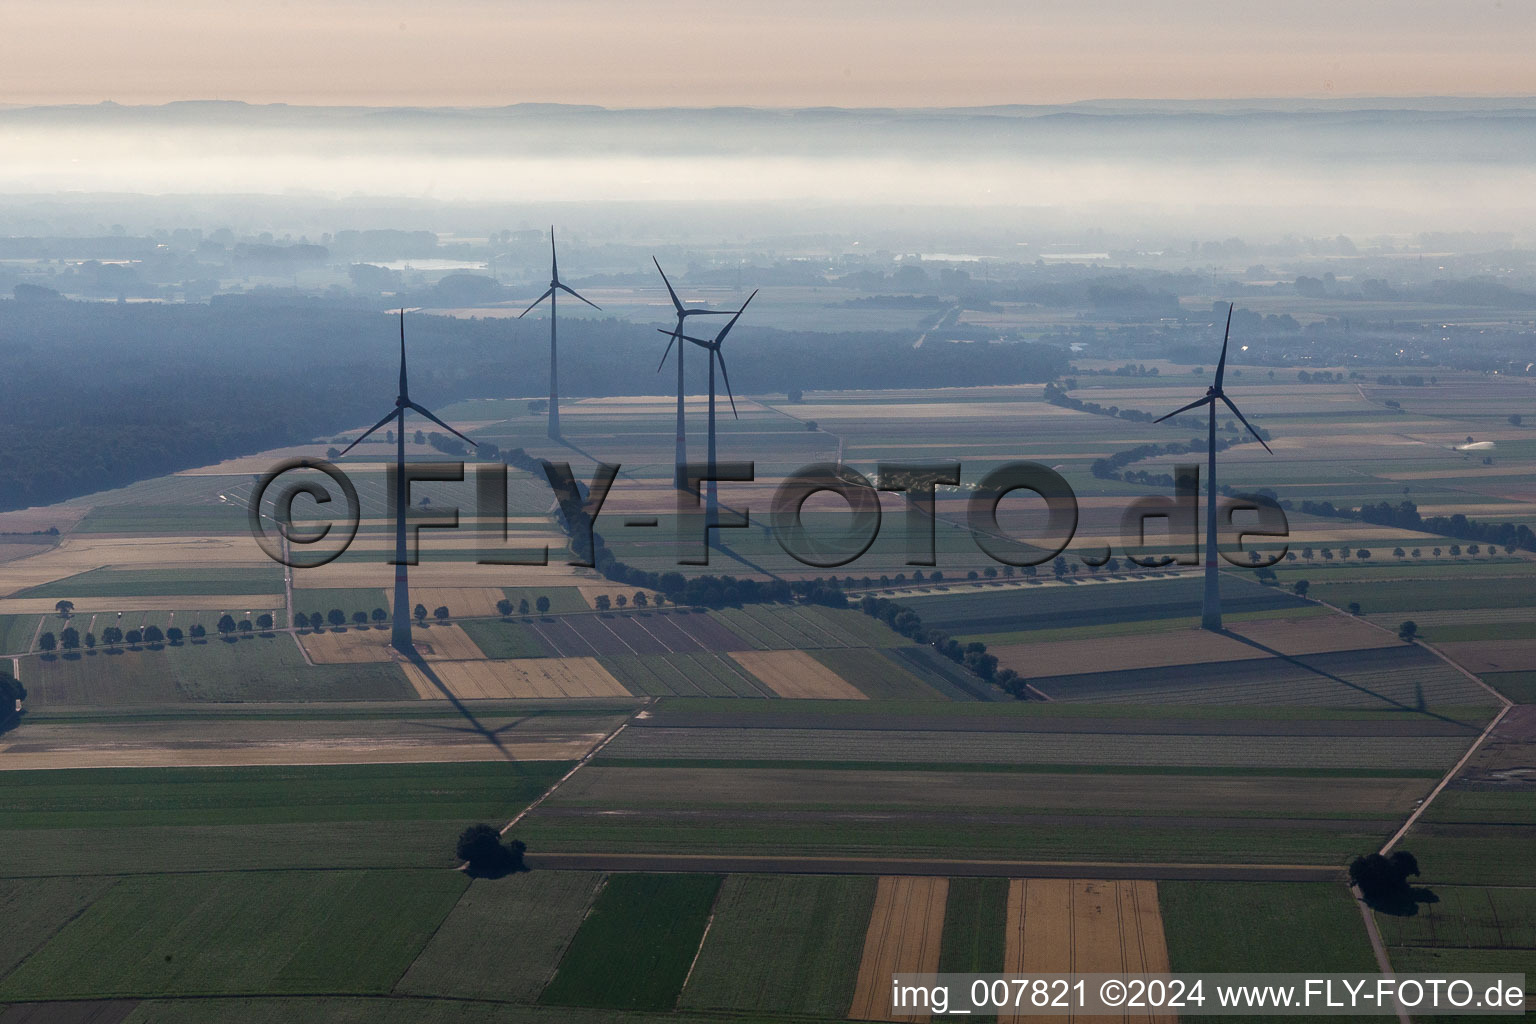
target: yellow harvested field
515 677
41 517
797 675
78 554
1468 469
650 405
472 602
113 744
1067 925
927 411
905 928
171 603
436 643
1479 656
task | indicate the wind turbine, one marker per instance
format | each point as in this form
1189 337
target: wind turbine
683 313
1210 610
555 286
400 633
712 501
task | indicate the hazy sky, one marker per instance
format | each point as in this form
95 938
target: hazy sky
621 53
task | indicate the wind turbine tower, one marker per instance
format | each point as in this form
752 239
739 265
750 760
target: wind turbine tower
400 632
683 313
1210 608
712 500
555 287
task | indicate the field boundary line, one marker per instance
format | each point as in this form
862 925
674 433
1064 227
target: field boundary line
578 765
714 908
1455 770
1378 947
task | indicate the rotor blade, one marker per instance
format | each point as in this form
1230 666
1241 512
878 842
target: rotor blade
535 302
580 296
717 354
554 266
1221 367
1191 405
686 337
709 312
1239 415
671 337
428 414
677 303
727 328
370 430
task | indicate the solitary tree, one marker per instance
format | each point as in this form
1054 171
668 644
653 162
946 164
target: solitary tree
12 693
621 600
152 635
542 604
70 638
1455 550
246 626
264 621
640 599
134 636
90 641
336 617
360 619
47 642
226 624
65 609
174 635
197 631
1354 607
420 611
522 607
440 613
1384 880
602 602
504 608
480 847
1363 554
1301 587
1408 630
379 615
112 636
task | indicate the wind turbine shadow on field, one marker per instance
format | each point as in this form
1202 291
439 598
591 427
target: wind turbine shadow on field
1292 659
1210 610
492 736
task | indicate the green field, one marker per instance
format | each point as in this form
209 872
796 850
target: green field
692 674
1519 687
975 927
877 676
783 943
35 908
245 669
1428 594
170 582
115 820
561 599
1263 927
16 632
471 956
256 933
498 639
634 949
